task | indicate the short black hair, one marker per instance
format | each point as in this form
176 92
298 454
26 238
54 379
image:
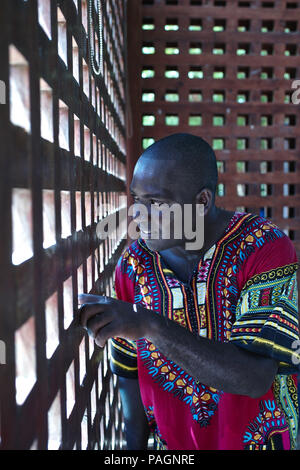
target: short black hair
194 155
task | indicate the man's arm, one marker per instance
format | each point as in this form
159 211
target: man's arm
223 366
136 424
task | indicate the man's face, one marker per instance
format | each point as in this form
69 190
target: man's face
156 190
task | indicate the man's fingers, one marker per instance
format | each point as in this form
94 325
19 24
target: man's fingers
104 334
97 322
88 311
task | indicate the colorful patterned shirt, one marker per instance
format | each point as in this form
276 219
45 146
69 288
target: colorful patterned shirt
243 290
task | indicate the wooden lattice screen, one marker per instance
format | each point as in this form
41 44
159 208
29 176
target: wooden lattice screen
62 161
224 70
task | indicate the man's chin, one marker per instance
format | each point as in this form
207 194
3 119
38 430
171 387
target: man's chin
152 244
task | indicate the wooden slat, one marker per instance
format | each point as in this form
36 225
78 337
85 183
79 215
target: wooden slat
36 164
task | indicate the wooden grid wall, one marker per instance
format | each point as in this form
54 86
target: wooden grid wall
62 140
224 70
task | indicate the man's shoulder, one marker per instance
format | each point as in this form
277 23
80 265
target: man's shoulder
132 253
255 228
263 247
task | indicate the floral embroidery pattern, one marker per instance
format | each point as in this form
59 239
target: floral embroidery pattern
216 305
202 400
270 420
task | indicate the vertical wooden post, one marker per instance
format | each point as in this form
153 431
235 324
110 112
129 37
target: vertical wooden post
133 87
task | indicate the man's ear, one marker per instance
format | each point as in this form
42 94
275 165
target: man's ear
205 197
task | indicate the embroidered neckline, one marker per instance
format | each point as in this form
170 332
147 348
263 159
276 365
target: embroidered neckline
163 264
235 218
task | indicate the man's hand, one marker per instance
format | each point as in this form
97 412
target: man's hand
223 366
105 317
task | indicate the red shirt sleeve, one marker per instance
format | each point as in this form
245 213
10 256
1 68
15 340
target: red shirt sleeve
124 286
123 355
271 255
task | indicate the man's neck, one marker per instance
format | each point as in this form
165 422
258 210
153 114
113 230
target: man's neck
215 223
183 261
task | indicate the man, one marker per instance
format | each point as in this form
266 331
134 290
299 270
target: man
204 340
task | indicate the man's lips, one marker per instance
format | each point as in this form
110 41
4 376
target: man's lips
143 229
143 232
146 232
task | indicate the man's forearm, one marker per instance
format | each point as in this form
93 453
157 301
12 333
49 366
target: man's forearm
136 424
137 439
223 366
